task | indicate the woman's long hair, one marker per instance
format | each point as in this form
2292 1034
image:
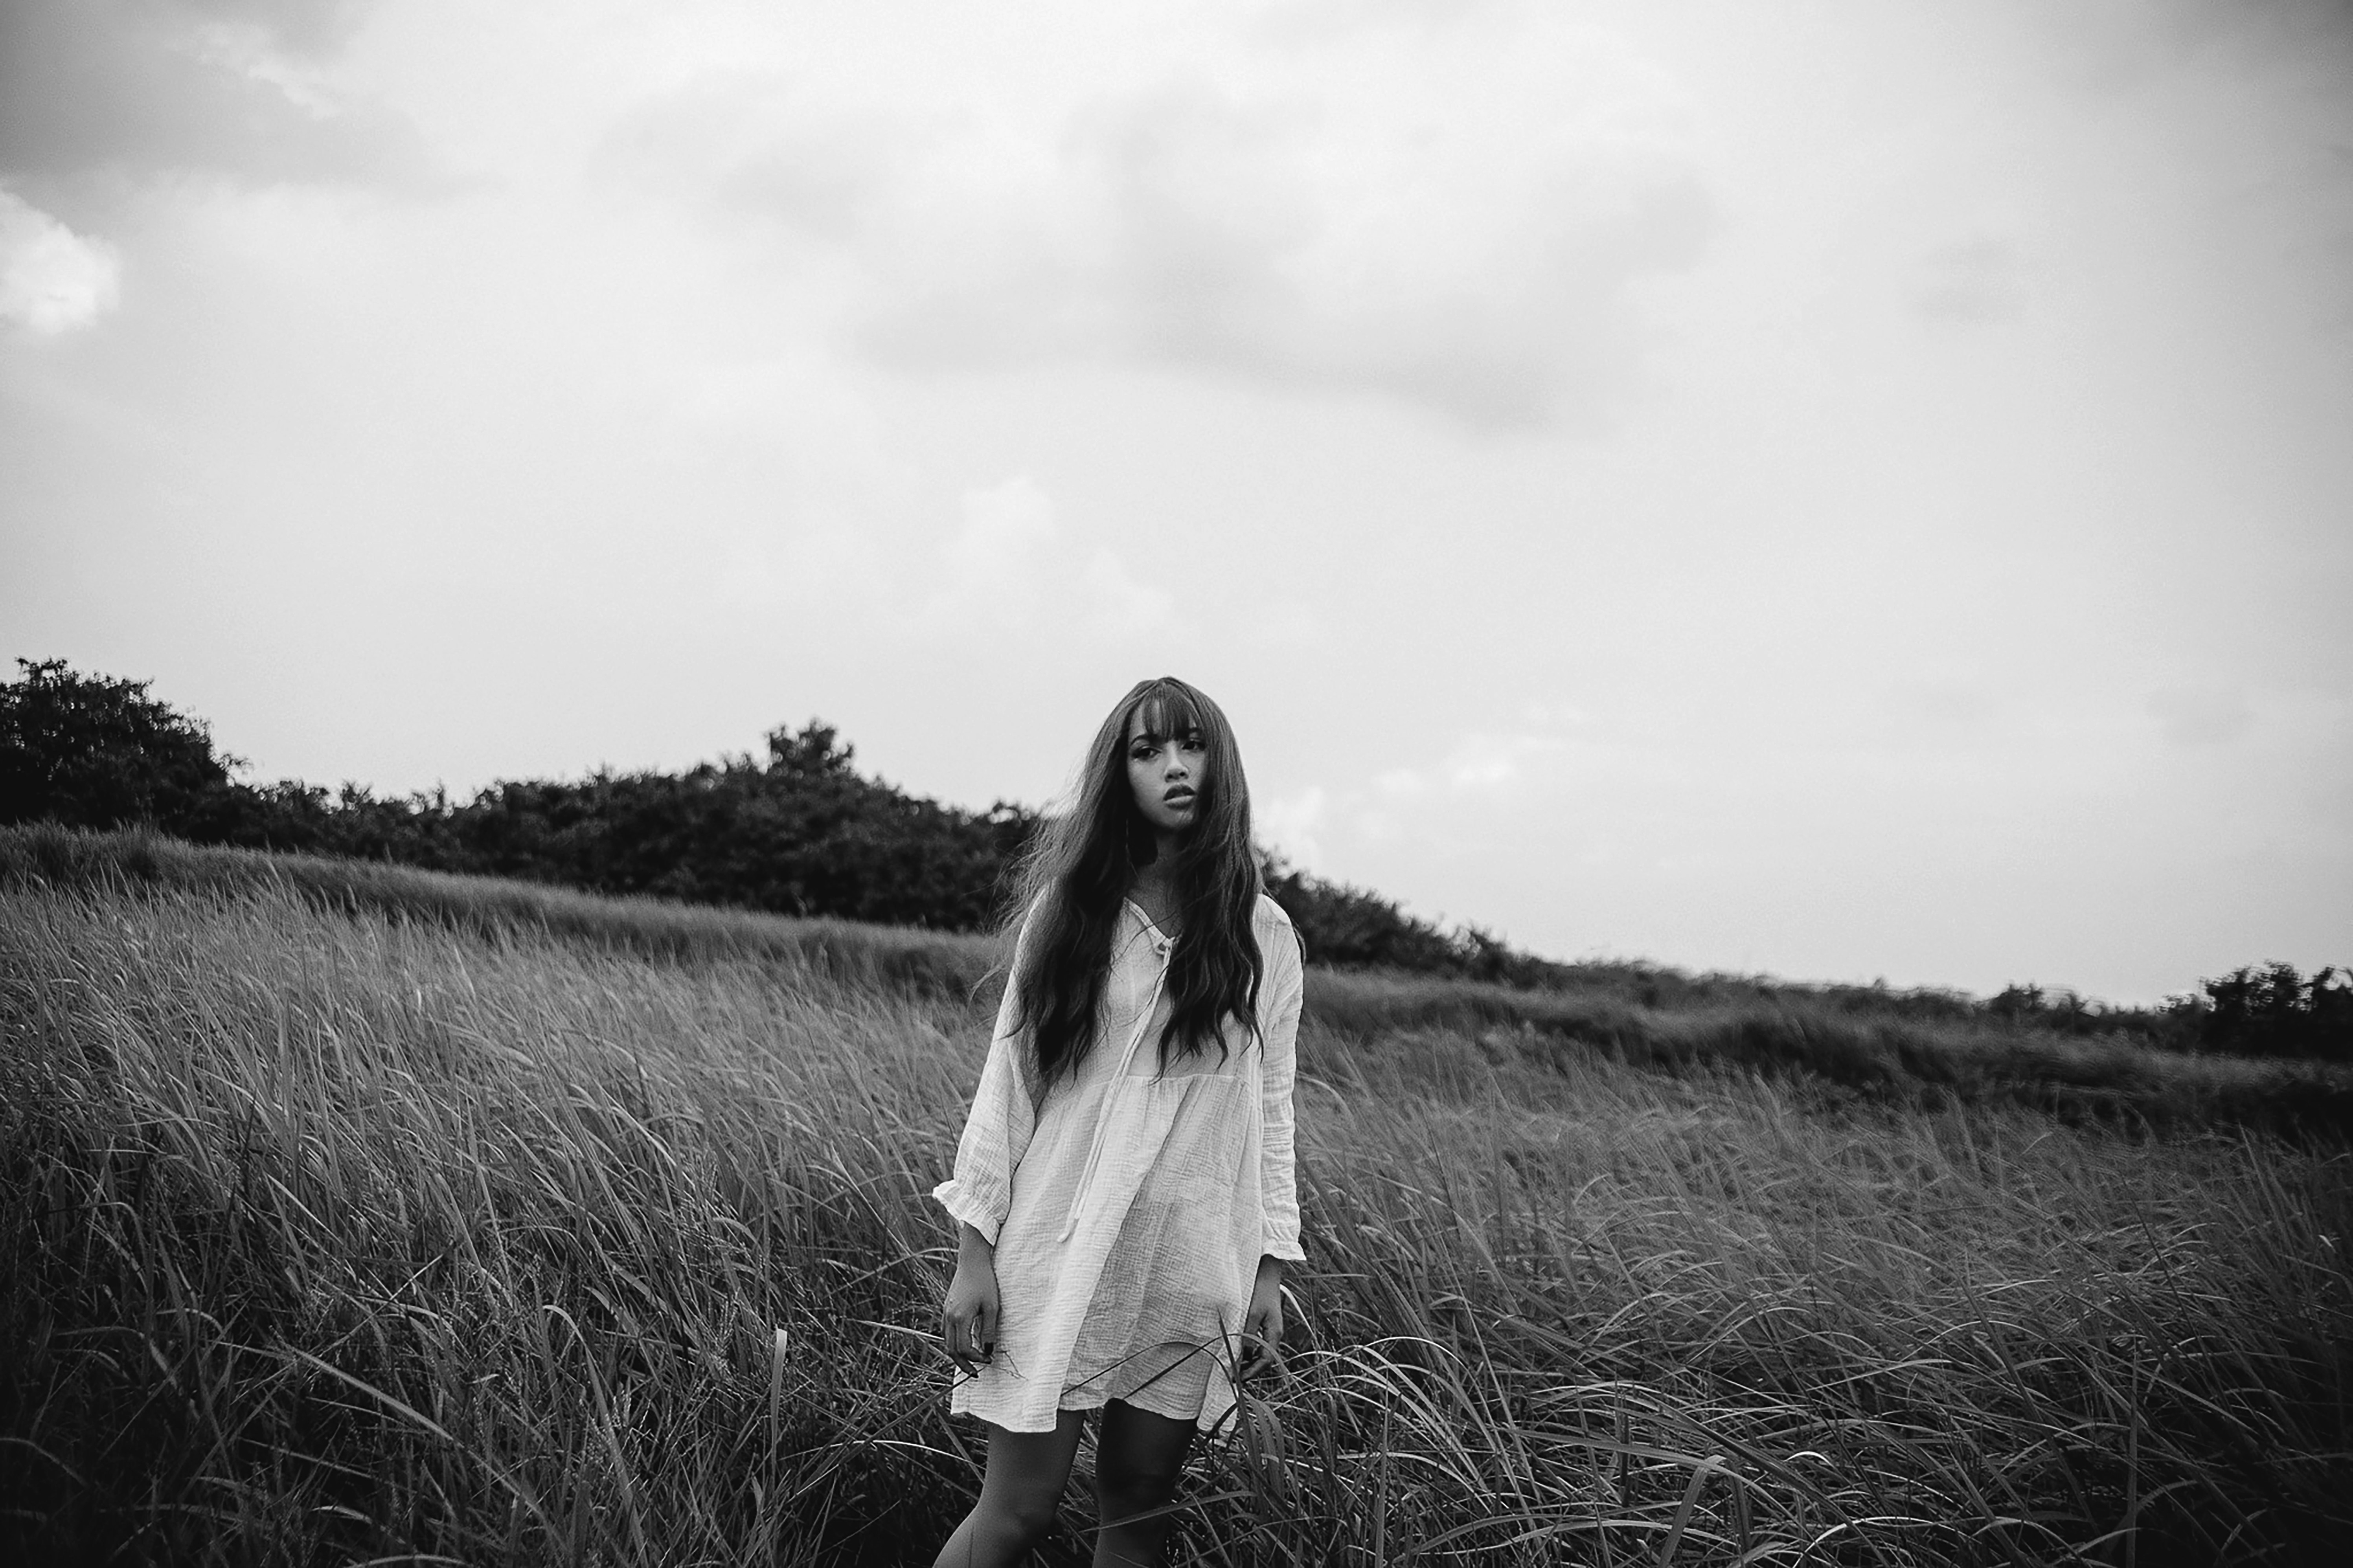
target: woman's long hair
1079 870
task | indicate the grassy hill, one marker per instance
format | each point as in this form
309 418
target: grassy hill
354 1213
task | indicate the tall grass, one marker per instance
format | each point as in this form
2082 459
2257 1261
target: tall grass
344 1229
1919 1049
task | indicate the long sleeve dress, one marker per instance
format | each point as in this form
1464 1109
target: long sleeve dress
1129 1209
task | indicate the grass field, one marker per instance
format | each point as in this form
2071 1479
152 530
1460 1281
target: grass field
357 1215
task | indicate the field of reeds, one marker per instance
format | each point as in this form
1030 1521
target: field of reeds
350 1214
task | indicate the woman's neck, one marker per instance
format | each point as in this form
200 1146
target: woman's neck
1155 889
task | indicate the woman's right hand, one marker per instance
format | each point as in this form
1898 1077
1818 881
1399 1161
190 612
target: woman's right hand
968 1316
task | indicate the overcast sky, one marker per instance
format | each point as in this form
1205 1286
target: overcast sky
1836 489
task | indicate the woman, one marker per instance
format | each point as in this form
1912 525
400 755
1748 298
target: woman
1123 1186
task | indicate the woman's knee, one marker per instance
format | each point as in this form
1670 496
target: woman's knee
1138 1460
1123 1489
1018 1516
1022 1489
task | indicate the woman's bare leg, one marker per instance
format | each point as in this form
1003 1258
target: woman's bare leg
1018 1494
1138 1456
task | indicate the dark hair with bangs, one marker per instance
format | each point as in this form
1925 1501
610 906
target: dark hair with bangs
1079 870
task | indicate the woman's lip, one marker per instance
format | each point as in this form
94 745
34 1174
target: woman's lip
1177 796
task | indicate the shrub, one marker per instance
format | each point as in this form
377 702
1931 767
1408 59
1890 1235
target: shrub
2272 1011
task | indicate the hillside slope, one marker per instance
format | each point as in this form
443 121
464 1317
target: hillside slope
1847 1043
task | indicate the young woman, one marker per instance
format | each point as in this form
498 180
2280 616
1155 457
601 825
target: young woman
1123 1186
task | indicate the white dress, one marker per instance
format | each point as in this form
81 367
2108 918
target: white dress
1129 1211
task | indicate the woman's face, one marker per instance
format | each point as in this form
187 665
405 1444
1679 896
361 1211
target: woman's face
1168 775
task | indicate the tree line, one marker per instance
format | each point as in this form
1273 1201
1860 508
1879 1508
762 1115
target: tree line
801 831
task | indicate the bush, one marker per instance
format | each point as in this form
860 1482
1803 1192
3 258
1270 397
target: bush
97 752
799 832
2272 1011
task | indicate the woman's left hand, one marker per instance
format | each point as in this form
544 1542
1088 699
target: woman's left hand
1262 1325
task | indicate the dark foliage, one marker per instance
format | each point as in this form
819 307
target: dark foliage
2266 1010
96 752
800 832
2062 1012
2272 1011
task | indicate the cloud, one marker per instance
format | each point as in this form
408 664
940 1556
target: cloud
1116 604
1499 761
1306 243
1002 522
1295 824
51 278
2200 718
999 555
2113 45
222 87
1942 706
1008 567
995 567
1971 281
310 27
755 143
1452 219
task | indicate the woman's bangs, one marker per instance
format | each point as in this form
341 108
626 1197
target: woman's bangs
1168 712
